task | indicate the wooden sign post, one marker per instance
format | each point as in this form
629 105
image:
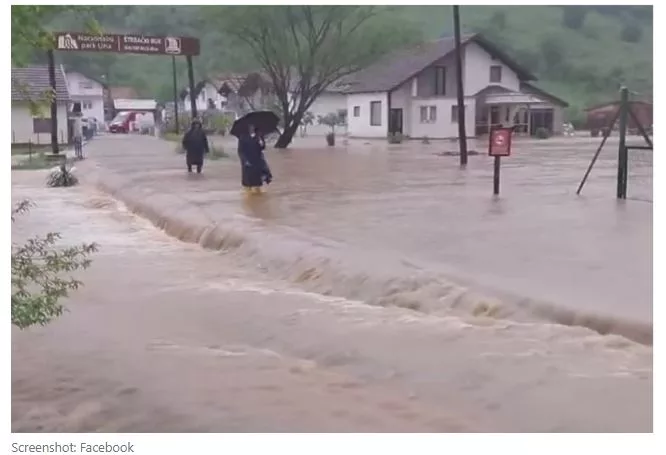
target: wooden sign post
499 145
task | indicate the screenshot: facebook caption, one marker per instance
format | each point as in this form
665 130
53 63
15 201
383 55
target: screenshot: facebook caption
73 447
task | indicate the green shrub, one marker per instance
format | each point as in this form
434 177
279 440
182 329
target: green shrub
542 133
61 176
37 282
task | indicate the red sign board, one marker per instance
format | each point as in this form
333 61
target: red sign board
500 142
127 44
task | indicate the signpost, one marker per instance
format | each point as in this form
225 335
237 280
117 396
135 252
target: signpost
125 44
499 145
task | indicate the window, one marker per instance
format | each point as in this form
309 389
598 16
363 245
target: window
86 104
375 113
41 125
440 80
85 85
357 111
454 113
496 73
428 114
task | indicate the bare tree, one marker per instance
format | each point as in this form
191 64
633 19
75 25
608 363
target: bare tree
304 49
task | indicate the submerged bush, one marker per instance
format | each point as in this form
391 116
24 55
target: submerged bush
37 283
61 176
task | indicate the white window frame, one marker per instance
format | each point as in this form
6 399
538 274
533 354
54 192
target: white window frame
428 114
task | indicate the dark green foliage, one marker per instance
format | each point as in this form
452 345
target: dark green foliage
573 17
498 20
575 66
542 133
38 285
62 176
631 33
552 52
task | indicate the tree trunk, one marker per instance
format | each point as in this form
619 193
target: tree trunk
287 135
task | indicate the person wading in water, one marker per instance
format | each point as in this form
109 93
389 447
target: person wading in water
254 168
195 143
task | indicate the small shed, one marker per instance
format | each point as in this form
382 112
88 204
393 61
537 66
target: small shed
600 115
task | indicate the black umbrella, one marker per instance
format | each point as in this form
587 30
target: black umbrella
265 122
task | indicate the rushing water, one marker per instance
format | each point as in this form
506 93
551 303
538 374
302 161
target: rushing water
165 336
403 226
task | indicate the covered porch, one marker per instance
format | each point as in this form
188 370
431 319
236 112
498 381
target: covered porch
525 112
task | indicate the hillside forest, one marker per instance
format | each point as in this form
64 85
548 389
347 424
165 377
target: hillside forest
579 53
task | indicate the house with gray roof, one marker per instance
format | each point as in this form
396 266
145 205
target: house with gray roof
87 90
31 83
414 92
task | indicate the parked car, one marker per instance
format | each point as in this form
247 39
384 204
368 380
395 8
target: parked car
122 123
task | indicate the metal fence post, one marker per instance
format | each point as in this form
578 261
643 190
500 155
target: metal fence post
622 161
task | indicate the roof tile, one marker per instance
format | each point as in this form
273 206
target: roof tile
33 82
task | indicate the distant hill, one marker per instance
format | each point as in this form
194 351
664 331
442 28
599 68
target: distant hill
580 53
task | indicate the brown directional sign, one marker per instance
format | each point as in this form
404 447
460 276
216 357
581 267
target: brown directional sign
126 44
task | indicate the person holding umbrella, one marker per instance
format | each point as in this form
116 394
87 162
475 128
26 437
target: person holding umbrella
254 168
195 144
250 131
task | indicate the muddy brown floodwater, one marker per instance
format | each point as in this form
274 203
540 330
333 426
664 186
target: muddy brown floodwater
346 303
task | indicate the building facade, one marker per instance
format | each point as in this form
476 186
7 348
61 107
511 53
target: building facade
414 93
87 91
29 86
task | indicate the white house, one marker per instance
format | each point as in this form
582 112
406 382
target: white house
331 101
414 92
207 97
87 91
32 83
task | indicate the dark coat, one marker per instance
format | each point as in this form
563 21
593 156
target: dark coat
195 144
254 168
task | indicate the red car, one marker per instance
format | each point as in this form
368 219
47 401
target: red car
122 123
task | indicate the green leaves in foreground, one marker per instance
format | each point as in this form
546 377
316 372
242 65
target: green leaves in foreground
38 286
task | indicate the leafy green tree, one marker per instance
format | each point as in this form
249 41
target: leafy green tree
303 49
573 17
38 286
631 32
498 20
307 120
331 120
552 52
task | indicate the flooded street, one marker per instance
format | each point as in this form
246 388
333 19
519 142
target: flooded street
304 319
402 226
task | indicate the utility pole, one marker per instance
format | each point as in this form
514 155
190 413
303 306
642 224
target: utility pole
54 103
462 134
175 93
190 76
